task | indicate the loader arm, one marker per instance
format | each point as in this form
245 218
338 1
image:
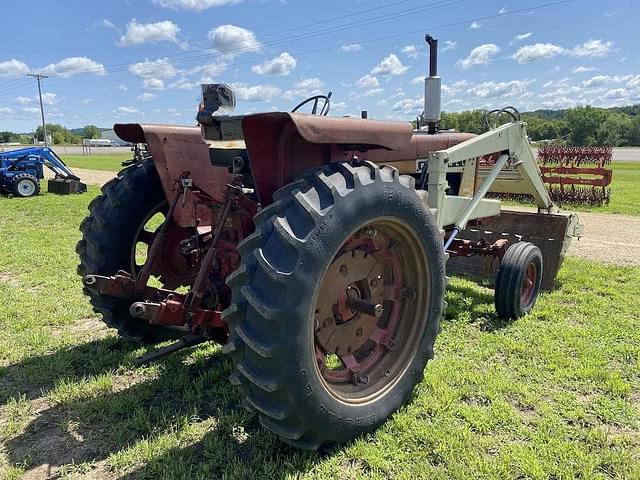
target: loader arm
514 171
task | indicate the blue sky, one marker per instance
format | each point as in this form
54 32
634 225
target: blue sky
142 60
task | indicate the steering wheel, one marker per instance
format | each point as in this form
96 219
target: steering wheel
326 106
491 119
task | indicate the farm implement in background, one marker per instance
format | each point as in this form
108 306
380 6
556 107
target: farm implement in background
576 175
21 171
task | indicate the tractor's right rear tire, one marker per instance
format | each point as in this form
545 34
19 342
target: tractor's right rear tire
108 242
518 280
318 371
25 185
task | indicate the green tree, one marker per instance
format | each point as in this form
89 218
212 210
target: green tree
91 131
584 123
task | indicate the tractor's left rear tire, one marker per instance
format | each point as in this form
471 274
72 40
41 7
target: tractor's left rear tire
320 370
116 218
25 185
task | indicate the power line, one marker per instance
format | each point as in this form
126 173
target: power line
281 41
39 77
363 41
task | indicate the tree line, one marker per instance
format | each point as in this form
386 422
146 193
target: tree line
58 134
616 127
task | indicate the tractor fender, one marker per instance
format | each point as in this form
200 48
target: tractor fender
282 146
176 150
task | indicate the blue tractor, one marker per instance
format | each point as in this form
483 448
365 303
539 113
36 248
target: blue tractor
21 171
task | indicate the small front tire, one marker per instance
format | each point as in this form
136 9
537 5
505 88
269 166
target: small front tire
518 280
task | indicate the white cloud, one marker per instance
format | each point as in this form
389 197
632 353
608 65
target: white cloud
481 55
5 110
369 93
255 93
339 105
519 38
538 51
31 109
71 66
48 98
124 110
194 5
409 105
146 97
503 10
153 84
231 40
475 26
390 65
417 81
305 88
449 45
158 68
122 87
352 47
183 83
592 49
104 23
602 80
213 69
411 51
281 65
13 69
368 81
499 89
139 33
24 100
582 69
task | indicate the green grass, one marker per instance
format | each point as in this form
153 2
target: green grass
625 192
553 395
107 162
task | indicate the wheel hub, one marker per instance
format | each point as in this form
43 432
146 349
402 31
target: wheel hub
363 308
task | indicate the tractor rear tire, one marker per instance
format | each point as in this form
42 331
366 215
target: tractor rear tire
25 185
294 257
106 245
518 280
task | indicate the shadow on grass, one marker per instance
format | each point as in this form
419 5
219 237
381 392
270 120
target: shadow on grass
186 421
37 374
477 305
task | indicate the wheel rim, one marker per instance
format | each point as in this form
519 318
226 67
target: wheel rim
170 266
26 187
529 282
381 266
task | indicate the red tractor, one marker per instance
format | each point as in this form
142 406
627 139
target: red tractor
295 241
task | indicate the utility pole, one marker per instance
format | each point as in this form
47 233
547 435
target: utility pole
39 77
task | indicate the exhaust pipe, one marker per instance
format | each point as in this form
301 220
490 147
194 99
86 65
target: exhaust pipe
432 88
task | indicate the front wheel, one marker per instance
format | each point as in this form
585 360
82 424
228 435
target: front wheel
518 280
336 305
25 185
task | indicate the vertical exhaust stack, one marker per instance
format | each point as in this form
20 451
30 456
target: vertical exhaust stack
432 88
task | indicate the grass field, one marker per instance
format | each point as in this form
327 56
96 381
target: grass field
553 395
106 162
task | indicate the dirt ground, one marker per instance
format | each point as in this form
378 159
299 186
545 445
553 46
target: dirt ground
607 238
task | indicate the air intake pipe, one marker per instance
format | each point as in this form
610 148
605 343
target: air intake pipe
432 88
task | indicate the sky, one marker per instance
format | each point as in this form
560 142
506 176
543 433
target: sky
144 60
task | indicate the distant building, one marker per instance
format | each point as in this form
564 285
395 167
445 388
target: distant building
111 135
